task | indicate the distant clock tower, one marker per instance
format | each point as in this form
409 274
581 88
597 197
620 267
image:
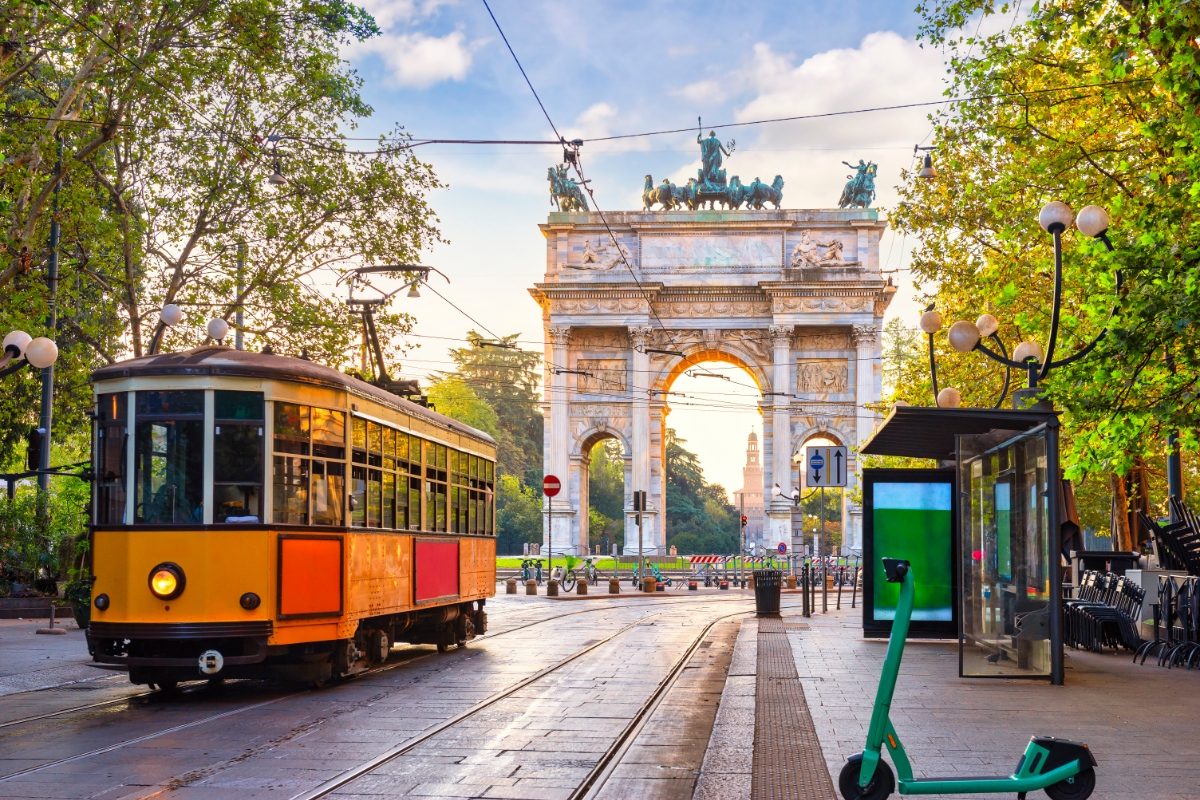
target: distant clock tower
749 499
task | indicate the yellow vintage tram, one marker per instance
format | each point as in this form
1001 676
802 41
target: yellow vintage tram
258 514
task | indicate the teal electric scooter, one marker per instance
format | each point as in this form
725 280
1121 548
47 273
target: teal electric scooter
1064 769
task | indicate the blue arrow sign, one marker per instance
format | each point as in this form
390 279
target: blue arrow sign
816 462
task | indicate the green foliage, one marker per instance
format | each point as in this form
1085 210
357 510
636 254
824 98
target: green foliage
38 544
450 395
506 378
1088 103
518 515
164 181
699 517
606 495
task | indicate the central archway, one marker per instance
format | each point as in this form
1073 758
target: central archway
708 286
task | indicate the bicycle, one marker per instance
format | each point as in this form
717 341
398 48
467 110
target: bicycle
587 571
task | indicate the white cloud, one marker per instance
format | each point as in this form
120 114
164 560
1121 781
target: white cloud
700 93
389 12
418 60
886 69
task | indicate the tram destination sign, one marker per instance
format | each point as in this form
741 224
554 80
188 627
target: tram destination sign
826 466
551 485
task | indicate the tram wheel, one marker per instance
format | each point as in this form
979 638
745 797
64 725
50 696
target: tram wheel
443 647
168 687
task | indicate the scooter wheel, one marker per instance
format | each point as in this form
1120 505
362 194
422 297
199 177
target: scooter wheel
1077 787
882 784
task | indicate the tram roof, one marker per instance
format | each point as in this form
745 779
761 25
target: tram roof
228 362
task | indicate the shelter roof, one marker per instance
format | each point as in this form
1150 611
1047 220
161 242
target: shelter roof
923 432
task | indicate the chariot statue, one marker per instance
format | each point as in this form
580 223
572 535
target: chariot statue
711 188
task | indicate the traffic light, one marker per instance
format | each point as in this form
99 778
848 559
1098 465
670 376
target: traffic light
33 451
744 520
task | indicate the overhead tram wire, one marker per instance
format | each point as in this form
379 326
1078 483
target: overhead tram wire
419 142
575 163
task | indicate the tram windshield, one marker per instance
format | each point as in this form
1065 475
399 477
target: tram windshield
169 457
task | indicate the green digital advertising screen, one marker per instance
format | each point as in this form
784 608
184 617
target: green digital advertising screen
909 514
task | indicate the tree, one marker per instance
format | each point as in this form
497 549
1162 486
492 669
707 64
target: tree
170 117
507 378
699 517
1086 103
904 370
518 515
450 395
606 493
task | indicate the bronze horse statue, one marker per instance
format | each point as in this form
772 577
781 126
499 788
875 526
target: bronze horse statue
664 194
759 193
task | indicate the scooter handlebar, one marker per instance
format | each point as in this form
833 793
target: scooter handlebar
895 569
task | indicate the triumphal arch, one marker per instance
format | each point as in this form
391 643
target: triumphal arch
630 301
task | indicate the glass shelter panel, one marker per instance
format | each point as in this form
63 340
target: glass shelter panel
1008 574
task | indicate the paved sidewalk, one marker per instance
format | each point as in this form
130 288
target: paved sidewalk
31 661
1140 721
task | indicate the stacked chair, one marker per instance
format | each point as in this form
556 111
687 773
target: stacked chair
1176 641
1104 614
1178 543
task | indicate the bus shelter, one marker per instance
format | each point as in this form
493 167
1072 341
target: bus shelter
1009 518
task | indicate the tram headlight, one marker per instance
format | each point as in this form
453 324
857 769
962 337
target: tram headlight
102 602
250 601
167 581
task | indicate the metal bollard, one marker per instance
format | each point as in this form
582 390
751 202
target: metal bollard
531 586
824 586
52 629
804 590
840 578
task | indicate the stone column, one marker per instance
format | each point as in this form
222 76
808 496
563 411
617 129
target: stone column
639 412
867 389
558 445
779 516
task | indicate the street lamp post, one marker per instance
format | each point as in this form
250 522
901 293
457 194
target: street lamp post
966 336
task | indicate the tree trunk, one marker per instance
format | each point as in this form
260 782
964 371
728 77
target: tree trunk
1119 525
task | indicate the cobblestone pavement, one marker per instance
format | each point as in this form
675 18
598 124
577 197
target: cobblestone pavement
256 740
1142 722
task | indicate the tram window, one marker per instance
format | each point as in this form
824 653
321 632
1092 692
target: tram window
414 504
328 488
358 496
238 457
329 433
389 450
358 439
168 457
374 498
111 437
374 444
291 490
292 426
389 499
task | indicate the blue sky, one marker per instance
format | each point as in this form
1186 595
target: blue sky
605 68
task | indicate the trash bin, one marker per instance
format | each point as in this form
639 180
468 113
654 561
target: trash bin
767 583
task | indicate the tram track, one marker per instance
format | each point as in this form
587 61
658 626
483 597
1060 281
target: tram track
606 762
198 689
211 718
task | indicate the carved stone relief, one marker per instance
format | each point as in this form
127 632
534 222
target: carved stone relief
713 308
601 305
601 338
822 376
712 250
860 303
806 339
599 253
601 375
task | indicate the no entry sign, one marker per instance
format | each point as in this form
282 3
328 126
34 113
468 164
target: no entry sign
550 485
